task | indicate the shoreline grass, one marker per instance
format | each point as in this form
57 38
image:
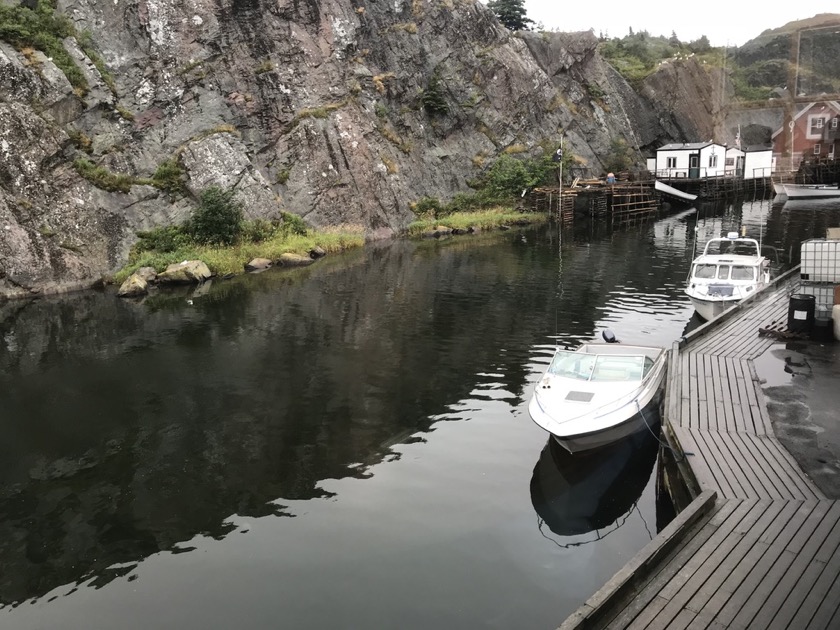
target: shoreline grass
482 219
223 260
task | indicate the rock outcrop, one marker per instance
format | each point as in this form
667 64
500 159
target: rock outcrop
315 108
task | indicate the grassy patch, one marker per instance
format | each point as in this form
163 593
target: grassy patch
102 178
42 29
317 112
394 138
265 66
379 81
224 260
485 219
408 27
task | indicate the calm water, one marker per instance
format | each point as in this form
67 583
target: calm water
346 445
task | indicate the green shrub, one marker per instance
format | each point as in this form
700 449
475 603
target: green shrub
259 230
294 224
163 239
169 177
428 207
462 202
508 177
218 218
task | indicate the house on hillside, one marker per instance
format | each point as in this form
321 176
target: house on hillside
693 160
815 133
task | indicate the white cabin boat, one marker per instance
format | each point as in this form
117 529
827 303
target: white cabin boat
730 269
598 394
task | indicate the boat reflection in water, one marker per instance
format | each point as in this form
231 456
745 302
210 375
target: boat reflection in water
576 495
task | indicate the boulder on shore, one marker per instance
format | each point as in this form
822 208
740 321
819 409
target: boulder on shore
294 260
186 272
134 286
258 264
147 273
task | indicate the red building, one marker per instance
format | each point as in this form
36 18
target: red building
814 132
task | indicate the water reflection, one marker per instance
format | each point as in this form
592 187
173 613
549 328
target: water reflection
132 429
585 497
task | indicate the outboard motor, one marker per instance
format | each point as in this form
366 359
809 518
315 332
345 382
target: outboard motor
609 336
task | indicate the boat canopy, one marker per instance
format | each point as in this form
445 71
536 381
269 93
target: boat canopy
733 245
599 368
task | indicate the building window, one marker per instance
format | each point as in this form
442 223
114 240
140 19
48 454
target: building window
712 160
817 124
817 149
834 122
730 161
671 162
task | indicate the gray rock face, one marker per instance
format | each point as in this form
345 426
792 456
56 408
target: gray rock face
313 108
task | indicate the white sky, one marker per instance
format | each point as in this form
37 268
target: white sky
724 22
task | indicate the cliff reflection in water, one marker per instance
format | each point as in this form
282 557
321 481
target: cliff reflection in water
132 427
584 497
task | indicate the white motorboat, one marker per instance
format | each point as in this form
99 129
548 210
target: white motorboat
730 269
599 393
811 191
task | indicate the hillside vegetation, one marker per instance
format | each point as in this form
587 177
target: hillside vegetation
759 70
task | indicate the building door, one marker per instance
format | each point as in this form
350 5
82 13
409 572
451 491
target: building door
739 166
694 165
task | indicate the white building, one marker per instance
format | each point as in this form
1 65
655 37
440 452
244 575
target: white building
694 160
758 162
735 158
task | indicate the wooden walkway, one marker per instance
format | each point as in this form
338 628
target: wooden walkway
760 545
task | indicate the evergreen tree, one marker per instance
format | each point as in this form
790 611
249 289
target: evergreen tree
434 96
511 13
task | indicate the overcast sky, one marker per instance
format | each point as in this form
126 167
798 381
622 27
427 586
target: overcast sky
724 22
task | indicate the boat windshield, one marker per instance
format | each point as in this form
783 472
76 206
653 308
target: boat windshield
742 272
591 367
705 271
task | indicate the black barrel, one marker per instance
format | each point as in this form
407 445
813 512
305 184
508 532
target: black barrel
801 313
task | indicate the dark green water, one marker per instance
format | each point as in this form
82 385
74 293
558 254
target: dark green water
346 445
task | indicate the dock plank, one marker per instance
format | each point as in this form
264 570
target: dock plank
746 605
785 593
700 567
710 534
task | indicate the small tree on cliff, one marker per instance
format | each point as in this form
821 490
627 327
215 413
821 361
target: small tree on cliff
511 13
218 218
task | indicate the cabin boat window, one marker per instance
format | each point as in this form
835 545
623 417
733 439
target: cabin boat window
704 271
742 272
723 272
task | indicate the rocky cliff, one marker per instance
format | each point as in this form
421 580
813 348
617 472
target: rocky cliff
314 107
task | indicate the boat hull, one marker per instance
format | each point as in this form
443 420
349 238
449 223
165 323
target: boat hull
802 191
709 309
644 420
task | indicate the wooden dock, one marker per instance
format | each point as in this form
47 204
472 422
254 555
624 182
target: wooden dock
759 546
